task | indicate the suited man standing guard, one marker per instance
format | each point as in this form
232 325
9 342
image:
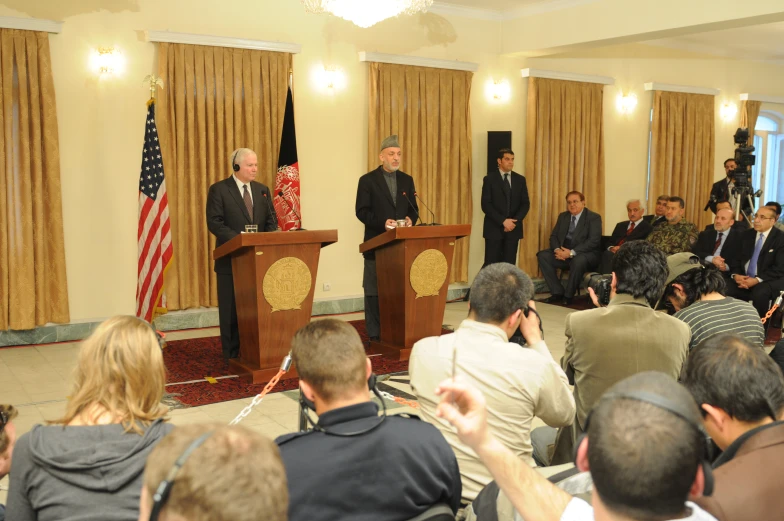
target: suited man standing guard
575 245
232 204
384 196
505 204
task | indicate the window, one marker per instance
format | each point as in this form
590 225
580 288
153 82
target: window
767 174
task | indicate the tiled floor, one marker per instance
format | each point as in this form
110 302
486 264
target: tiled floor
36 379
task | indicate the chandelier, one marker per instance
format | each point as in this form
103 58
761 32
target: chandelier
365 13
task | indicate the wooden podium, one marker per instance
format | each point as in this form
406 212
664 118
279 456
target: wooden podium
274 280
413 266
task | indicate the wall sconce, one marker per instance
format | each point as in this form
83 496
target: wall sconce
728 111
331 78
499 90
107 61
627 103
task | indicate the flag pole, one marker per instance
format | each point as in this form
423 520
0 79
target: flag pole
152 81
291 78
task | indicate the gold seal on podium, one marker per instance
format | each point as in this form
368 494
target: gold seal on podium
428 273
286 284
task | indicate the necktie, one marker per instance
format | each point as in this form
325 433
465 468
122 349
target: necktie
629 231
248 202
752 271
508 193
572 226
718 242
506 178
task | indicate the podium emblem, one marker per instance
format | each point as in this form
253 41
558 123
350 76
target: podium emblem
286 284
428 273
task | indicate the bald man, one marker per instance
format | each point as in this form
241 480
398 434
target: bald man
720 244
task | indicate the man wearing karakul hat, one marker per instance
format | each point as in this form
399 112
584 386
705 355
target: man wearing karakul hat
384 196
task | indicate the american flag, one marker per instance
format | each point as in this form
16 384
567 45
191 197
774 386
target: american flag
154 236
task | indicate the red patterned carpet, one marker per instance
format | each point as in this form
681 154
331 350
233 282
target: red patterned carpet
198 358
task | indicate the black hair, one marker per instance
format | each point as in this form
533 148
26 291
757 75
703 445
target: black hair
676 199
777 206
727 372
501 152
728 160
498 291
698 282
640 270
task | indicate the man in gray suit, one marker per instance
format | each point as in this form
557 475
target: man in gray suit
575 245
606 345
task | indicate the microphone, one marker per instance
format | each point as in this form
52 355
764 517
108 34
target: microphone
271 209
412 206
299 218
432 215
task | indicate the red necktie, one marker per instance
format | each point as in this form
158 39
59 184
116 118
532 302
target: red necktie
718 242
629 231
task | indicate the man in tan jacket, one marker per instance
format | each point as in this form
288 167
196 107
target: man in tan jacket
605 345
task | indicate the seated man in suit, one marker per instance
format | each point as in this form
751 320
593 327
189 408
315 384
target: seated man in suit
635 229
605 345
574 245
720 244
760 275
354 464
741 224
659 215
678 234
740 391
505 204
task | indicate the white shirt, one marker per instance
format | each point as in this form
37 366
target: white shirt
717 253
756 239
240 186
579 510
576 217
517 382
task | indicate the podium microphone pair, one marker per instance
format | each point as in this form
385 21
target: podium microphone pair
432 215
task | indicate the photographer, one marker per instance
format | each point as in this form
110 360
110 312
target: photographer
724 190
518 382
605 345
696 293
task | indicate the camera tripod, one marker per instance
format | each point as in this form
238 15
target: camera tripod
737 198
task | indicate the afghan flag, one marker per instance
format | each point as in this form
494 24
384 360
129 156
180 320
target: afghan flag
286 198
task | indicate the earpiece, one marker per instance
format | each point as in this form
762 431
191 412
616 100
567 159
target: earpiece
234 165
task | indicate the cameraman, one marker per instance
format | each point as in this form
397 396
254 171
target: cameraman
605 345
696 293
723 190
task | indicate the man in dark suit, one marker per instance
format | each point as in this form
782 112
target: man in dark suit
723 190
575 245
505 204
741 225
760 275
659 215
232 204
720 244
636 228
384 196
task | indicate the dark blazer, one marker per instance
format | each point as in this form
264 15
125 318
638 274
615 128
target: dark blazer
587 236
494 205
721 192
227 214
374 203
770 265
639 233
655 221
730 252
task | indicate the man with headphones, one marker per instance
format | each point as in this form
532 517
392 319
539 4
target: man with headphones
644 446
740 391
232 204
354 464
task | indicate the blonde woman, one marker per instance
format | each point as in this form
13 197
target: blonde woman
88 465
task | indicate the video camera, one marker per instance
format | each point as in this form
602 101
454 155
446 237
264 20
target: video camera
744 160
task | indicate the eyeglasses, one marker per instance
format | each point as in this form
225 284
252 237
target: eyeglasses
762 217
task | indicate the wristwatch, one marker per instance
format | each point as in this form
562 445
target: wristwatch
571 254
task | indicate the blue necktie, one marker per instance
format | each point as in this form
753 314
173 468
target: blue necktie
572 226
752 271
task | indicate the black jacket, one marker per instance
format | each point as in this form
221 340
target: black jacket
639 233
720 192
227 214
587 236
495 208
730 252
374 203
770 265
655 221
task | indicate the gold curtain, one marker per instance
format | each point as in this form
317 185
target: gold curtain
215 100
33 286
749 112
429 110
564 152
682 151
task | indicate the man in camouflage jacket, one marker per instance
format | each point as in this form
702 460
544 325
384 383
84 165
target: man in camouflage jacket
678 235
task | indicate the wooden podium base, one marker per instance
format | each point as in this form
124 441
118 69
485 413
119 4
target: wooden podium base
251 374
389 350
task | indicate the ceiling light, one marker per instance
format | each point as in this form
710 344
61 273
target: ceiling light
366 13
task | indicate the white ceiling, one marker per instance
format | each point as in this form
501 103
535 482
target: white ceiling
759 42
502 9
495 5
